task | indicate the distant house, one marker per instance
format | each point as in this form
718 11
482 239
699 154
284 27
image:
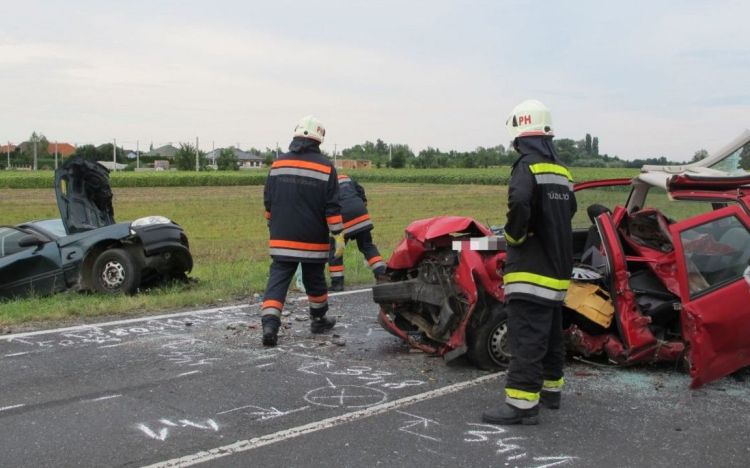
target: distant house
166 151
353 164
63 149
131 155
5 149
246 160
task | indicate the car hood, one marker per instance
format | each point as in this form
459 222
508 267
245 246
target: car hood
84 195
427 229
724 169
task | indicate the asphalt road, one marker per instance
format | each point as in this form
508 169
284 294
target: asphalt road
198 388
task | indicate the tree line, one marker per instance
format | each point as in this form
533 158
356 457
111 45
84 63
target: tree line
574 153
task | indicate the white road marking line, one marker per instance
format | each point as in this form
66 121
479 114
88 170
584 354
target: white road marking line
256 442
158 317
106 397
11 407
16 354
265 365
189 373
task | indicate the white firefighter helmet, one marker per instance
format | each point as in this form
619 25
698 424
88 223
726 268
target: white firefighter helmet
530 118
310 127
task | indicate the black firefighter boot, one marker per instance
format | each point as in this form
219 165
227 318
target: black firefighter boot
337 284
508 414
321 324
550 400
271 324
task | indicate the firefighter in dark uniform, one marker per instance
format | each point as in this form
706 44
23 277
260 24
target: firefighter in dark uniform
357 226
538 267
301 197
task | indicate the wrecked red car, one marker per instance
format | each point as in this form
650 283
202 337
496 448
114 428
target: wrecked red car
658 278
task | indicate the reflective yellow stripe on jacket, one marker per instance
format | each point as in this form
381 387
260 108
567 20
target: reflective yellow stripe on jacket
537 285
541 168
547 173
513 241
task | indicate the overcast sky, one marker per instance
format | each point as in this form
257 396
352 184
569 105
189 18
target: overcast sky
649 78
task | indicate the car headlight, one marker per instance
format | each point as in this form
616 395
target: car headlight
150 221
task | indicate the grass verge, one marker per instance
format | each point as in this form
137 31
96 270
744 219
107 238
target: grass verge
228 238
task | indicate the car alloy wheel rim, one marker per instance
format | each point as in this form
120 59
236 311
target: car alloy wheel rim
498 344
113 275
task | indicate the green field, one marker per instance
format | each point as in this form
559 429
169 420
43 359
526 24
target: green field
228 238
491 176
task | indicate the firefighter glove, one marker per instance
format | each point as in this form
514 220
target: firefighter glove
340 244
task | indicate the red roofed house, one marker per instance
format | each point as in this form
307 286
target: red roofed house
63 149
4 148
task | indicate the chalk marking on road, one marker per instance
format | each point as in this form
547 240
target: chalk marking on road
265 413
162 435
16 354
505 447
210 422
106 397
110 346
159 317
189 373
265 365
307 367
256 442
418 422
561 460
11 407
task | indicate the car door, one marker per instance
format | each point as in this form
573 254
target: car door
632 326
712 252
28 270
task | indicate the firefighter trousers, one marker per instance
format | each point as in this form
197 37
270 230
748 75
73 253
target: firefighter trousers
368 249
279 279
535 337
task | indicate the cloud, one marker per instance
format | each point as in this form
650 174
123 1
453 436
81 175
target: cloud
663 83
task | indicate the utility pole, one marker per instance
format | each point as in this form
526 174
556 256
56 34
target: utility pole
55 154
36 138
137 155
114 153
277 150
197 166
8 154
334 154
390 153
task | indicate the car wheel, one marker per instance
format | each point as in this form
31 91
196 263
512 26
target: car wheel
115 271
487 343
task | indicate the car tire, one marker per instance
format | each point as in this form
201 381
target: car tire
114 272
487 341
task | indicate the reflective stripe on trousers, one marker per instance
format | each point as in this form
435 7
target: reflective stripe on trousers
521 399
553 385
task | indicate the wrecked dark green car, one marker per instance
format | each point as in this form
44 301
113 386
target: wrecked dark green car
86 249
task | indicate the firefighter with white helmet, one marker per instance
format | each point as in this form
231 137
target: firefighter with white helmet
301 198
539 262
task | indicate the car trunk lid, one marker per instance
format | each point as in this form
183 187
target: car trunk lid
84 195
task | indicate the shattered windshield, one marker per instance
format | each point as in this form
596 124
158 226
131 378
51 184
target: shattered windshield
737 163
